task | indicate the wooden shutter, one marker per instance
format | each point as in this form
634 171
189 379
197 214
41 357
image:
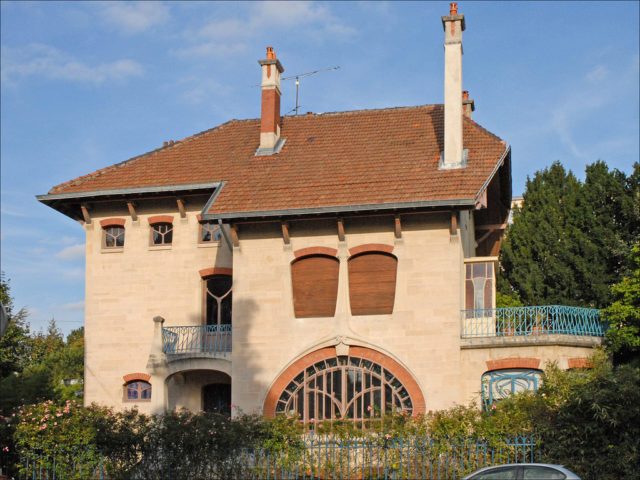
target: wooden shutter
315 286
372 283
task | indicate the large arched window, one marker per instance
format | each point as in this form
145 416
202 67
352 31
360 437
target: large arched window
344 387
217 291
499 384
315 285
372 282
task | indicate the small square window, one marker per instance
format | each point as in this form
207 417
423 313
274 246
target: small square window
113 237
209 232
161 234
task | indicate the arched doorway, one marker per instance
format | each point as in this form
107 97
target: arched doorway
216 398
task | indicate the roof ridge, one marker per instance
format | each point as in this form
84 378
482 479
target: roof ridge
102 171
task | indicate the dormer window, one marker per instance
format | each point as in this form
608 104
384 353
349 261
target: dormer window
161 230
112 233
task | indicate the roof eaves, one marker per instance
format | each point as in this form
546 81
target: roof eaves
465 202
126 191
499 163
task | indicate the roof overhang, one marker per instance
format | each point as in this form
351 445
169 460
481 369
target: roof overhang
65 202
338 209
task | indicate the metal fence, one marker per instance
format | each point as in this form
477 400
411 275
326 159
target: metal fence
543 320
214 339
318 457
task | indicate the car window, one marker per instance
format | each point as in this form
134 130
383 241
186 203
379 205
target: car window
499 473
542 473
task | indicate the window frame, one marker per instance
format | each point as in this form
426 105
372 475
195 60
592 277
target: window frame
469 264
219 300
106 233
512 375
139 390
153 230
215 232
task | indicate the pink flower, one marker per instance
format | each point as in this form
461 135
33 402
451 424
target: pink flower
493 407
58 415
42 427
369 408
5 449
387 436
55 423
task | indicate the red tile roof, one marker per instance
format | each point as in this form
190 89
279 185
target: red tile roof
366 157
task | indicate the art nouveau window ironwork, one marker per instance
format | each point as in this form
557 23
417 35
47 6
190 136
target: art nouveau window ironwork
499 384
209 232
138 390
344 387
162 234
113 237
218 299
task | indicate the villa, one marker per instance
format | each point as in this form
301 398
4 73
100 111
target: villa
327 265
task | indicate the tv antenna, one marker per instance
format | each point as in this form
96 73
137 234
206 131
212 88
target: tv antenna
303 75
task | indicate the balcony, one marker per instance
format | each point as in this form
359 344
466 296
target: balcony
549 324
197 341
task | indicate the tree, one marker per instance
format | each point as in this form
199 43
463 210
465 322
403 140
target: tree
623 315
569 242
14 344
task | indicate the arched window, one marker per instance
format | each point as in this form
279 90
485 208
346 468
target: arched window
372 282
344 387
315 285
161 229
137 390
499 384
112 233
217 291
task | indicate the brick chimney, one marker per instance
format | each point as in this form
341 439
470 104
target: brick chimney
454 156
468 105
270 141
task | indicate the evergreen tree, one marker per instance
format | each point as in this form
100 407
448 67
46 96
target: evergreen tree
569 242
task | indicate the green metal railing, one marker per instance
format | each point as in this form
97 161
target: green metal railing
313 457
214 339
543 320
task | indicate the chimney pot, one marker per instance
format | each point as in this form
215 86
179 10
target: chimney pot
465 95
271 55
453 8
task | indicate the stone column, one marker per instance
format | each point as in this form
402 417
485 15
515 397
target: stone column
158 369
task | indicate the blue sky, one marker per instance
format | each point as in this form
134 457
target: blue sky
88 84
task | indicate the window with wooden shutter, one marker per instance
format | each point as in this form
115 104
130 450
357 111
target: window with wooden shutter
315 285
372 283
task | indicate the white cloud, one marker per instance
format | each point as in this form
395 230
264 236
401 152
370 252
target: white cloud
134 17
71 253
228 36
48 62
597 74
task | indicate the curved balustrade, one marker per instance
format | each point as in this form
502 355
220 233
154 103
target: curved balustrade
543 320
213 339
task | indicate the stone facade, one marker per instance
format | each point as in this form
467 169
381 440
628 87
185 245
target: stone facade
127 288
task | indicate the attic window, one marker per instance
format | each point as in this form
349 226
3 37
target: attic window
161 230
112 233
209 232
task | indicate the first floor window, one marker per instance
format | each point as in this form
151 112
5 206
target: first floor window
315 285
372 283
209 232
161 234
113 236
138 390
218 299
499 384
344 387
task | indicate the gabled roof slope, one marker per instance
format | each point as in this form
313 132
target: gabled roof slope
366 157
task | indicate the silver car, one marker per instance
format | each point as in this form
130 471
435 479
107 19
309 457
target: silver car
523 471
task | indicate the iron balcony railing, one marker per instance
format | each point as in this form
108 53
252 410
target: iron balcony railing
213 339
544 320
